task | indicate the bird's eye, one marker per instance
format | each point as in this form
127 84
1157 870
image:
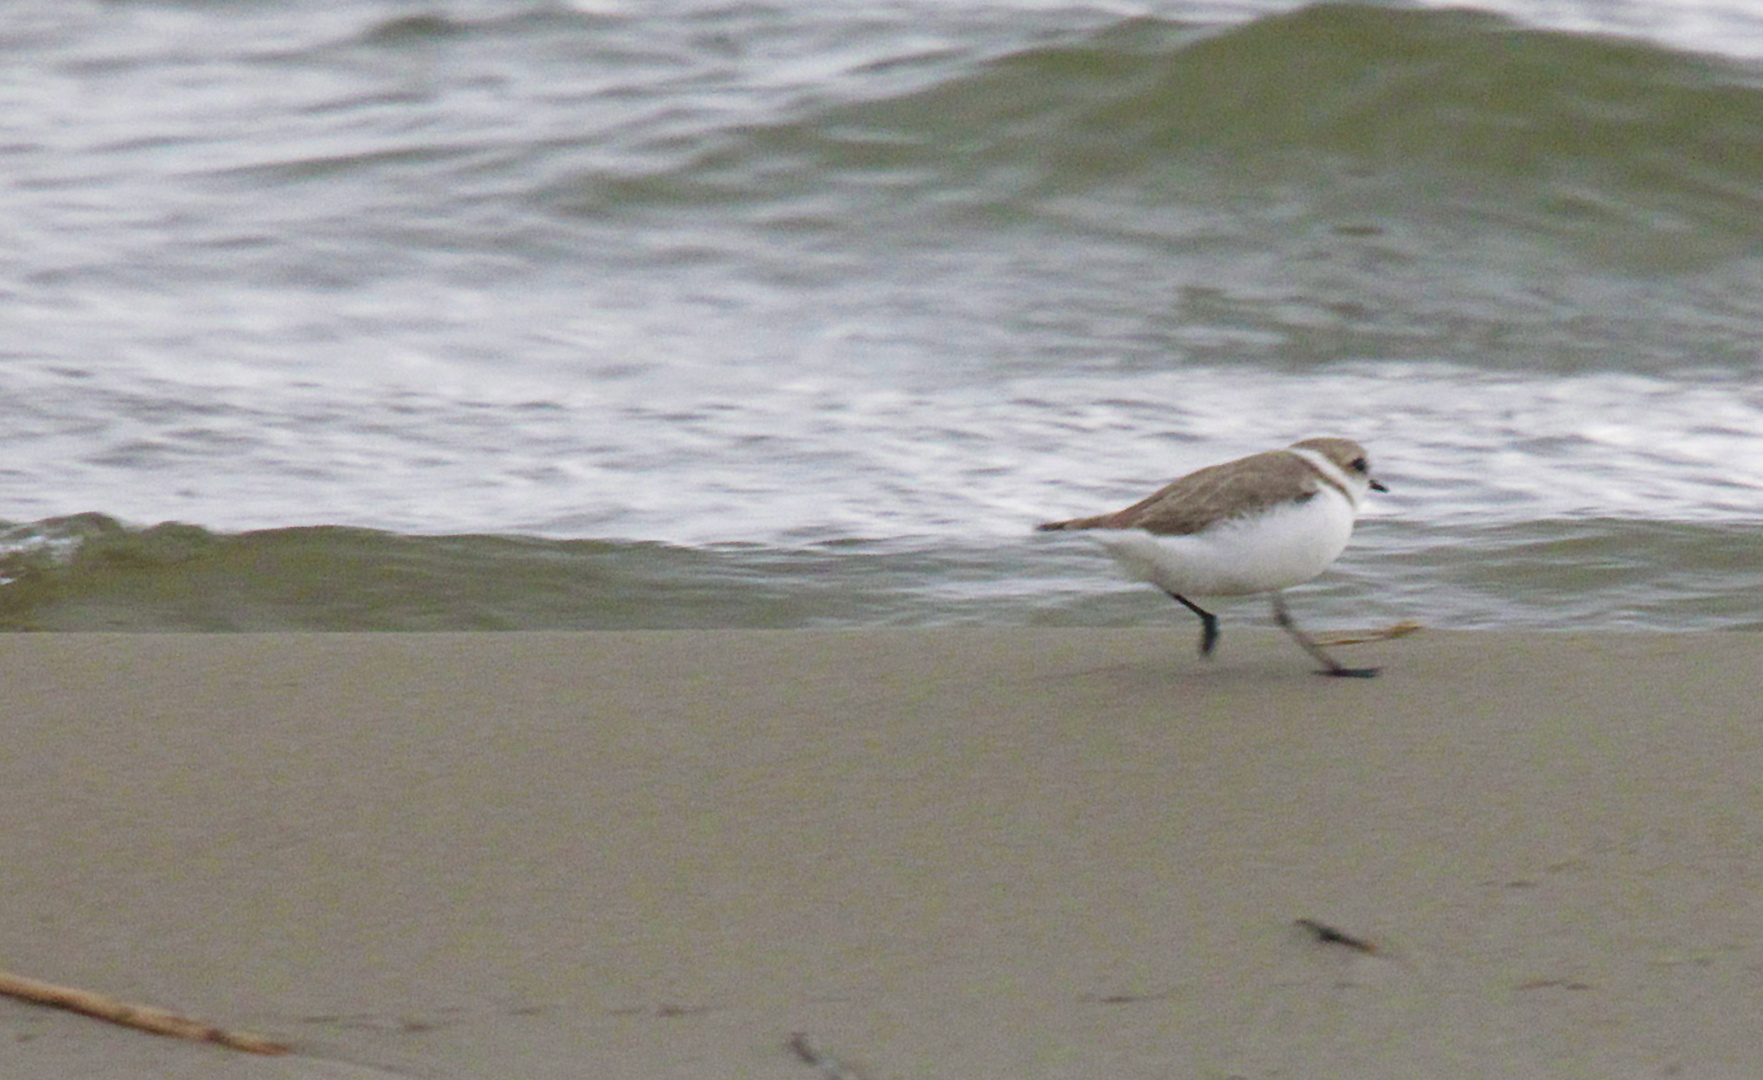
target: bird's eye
1359 465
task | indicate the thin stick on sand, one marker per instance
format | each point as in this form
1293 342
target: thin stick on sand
1360 637
141 1017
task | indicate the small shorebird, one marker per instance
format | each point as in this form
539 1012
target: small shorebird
1255 525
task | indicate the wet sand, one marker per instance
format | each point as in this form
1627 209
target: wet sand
965 853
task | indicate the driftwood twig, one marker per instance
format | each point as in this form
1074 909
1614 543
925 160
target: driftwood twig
142 1017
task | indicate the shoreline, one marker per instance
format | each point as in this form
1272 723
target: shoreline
960 852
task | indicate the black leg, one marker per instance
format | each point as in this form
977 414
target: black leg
1329 665
1208 624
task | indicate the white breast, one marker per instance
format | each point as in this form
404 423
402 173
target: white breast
1260 553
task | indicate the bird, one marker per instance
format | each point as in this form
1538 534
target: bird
1258 524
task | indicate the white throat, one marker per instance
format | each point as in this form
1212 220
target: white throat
1353 486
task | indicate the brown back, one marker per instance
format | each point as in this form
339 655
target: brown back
1245 486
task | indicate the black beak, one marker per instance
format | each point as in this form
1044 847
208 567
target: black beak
1375 486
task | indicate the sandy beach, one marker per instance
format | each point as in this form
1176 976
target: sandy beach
962 853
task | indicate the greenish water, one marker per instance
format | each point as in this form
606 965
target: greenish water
1563 574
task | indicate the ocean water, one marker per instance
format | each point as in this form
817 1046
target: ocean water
369 314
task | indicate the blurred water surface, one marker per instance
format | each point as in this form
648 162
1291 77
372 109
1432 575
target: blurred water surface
508 314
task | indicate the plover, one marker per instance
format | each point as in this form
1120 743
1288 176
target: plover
1255 525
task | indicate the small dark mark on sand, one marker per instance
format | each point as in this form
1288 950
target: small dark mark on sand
1330 936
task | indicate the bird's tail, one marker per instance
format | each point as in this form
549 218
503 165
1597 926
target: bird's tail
1099 522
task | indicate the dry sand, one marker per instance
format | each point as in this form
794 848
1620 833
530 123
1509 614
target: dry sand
965 854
